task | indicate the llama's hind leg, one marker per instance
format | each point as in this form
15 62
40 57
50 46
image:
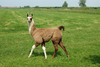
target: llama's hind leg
63 47
56 49
33 47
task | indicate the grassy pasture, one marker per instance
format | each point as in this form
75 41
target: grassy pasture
81 38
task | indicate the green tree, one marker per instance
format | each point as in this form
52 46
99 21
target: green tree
0 5
82 3
65 4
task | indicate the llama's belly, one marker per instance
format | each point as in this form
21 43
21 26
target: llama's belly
47 36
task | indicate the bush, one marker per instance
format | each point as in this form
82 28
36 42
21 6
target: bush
26 6
36 6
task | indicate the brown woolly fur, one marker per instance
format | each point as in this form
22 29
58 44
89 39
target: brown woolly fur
42 35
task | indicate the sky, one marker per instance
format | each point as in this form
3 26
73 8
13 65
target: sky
47 3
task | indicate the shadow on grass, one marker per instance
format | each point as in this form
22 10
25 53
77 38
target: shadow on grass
94 58
48 53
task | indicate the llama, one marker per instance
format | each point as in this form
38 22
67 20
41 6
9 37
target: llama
42 35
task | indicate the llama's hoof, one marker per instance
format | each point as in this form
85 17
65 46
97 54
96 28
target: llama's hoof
45 57
28 56
68 56
52 57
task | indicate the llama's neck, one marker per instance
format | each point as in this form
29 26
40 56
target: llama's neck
31 26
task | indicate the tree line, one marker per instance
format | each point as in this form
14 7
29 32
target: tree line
65 4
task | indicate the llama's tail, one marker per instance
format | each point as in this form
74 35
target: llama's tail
61 27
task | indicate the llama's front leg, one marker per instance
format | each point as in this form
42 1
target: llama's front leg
33 47
44 49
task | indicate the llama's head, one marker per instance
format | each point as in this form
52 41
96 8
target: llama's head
29 18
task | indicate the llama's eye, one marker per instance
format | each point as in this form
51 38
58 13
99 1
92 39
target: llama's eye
30 18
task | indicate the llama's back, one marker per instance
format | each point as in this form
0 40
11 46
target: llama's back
45 34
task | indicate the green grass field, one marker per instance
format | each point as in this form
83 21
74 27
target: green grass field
81 39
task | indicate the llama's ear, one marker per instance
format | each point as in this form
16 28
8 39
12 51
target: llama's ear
27 15
32 15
